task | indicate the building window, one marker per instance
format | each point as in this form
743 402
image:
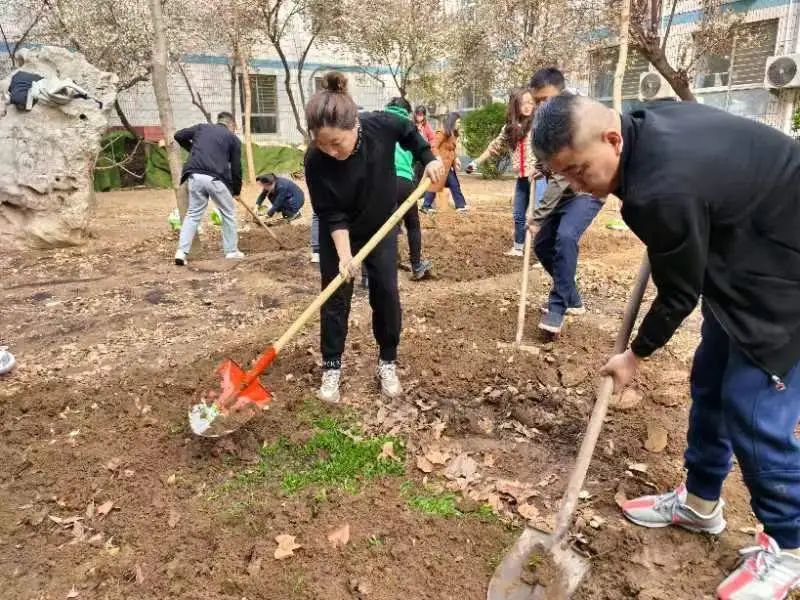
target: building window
263 103
604 63
748 49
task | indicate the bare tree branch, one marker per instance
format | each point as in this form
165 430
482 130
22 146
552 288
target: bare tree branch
197 99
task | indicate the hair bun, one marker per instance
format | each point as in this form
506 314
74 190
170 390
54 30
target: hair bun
335 82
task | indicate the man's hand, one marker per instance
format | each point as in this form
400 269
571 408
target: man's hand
348 267
622 367
533 227
434 171
458 164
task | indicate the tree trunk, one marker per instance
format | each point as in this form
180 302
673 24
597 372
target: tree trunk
622 59
248 111
287 83
232 69
677 79
124 120
197 99
161 90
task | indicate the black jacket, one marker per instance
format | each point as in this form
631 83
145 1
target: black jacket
215 151
359 193
286 197
716 199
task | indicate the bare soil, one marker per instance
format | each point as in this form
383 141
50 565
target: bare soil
113 341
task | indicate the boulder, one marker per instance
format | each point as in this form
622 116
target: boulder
47 155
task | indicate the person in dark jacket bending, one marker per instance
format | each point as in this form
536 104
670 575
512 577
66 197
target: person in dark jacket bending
214 171
350 174
716 200
284 194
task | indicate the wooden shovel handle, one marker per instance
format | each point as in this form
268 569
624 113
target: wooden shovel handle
259 221
604 392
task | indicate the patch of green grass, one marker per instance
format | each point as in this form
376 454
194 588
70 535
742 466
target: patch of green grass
437 505
374 541
336 456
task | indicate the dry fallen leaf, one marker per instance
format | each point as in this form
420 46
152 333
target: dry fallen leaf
73 593
90 510
438 428
638 467
340 537
114 464
286 546
171 479
436 456
139 575
656 438
174 517
517 490
424 465
488 460
462 466
105 508
528 511
620 498
65 521
387 452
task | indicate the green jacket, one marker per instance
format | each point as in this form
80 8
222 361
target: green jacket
403 159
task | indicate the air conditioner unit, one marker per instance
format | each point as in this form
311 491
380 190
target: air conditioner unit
782 72
653 86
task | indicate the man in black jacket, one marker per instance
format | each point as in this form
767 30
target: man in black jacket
214 171
716 200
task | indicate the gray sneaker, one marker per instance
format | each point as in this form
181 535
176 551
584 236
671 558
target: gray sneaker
765 572
387 375
422 270
552 322
671 509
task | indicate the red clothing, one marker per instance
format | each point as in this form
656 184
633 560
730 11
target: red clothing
426 131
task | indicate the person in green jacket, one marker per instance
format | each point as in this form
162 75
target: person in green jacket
406 182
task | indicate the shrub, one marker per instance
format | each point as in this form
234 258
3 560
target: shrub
480 127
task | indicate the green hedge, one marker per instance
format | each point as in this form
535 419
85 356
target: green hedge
480 127
113 151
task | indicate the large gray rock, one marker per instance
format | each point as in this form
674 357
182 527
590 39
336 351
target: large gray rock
47 155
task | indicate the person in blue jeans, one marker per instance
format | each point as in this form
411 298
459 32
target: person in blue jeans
726 232
559 221
515 139
444 148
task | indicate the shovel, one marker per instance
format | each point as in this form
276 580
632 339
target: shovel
260 222
567 567
523 298
240 395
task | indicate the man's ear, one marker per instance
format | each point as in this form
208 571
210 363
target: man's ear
614 138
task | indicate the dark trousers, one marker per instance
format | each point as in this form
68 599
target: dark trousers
411 221
522 199
556 247
737 410
384 298
454 186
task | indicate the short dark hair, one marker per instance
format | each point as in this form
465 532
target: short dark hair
400 102
226 118
421 110
548 76
554 125
266 178
450 123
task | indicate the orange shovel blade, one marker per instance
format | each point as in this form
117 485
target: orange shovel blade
232 396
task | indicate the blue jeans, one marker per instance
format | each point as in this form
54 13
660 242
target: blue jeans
556 247
455 189
522 199
314 232
541 186
737 410
203 188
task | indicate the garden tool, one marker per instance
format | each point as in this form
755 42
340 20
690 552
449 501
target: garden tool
240 394
260 222
523 298
562 567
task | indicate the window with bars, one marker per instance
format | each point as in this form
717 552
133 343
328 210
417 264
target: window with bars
604 64
263 103
742 60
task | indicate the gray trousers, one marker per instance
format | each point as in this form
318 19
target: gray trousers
201 189
314 232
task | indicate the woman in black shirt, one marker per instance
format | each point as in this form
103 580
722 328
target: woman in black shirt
350 174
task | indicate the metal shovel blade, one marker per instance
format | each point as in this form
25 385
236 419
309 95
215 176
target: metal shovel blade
223 410
507 582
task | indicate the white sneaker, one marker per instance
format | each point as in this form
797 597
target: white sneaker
514 252
387 375
7 360
180 258
766 572
315 257
235 254
329 390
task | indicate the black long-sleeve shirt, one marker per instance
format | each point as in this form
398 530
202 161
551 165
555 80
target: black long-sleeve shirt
286 197
214 151
716 200
358 193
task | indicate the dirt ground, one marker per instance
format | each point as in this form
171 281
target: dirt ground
113 341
